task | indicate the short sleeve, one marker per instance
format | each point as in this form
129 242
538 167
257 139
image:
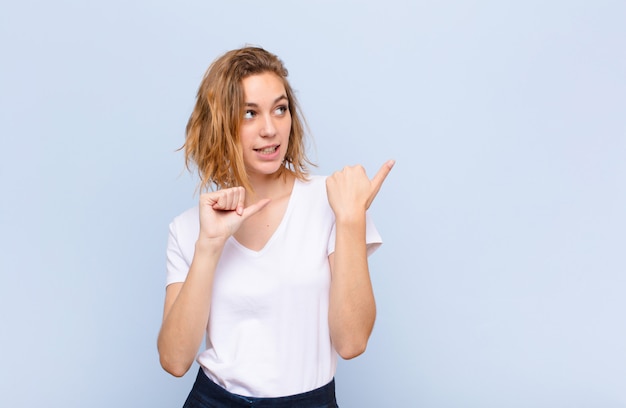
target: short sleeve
183 233
177 265
372 238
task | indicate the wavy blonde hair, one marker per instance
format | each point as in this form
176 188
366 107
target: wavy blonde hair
212 134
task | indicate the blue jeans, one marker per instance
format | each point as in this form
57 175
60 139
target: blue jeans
206 394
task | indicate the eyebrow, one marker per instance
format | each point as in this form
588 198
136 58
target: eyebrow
275 101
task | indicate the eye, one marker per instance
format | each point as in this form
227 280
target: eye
281 110
249 114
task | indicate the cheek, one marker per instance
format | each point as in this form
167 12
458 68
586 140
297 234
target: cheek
287 128
245 137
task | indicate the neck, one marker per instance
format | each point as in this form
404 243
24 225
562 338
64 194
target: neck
272 186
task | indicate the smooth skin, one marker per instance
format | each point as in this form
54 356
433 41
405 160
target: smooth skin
253 218
352 309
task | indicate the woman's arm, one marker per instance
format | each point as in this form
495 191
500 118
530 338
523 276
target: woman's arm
352 309
186 311
187 304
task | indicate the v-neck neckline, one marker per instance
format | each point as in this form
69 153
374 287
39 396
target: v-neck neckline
277 231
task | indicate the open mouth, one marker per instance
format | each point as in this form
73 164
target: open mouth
267 150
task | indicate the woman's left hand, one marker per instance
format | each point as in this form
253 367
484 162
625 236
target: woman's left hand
350 191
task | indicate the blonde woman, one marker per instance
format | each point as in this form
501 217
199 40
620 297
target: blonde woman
271 266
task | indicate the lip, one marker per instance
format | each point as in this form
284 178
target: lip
268 156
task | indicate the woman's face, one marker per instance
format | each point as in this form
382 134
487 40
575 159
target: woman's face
266 125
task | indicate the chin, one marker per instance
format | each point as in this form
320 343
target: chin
267 170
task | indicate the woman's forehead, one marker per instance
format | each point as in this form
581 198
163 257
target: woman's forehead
263 87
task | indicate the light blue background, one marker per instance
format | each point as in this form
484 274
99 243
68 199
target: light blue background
502 279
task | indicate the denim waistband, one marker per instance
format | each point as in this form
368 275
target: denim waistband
205 393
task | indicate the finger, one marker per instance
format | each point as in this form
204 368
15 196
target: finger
227 199
379 178
255 208
207 199
220 200
241 197
231 199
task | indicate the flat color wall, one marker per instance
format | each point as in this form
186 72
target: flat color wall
502 279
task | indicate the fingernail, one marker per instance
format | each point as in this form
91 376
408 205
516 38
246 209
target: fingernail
240 210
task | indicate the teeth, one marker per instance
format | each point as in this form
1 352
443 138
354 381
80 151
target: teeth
268 150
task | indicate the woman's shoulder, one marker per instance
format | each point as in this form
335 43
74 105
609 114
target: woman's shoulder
314 181
314 185
187 214
312 193
188 220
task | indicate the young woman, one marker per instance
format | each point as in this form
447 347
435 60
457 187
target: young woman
271 266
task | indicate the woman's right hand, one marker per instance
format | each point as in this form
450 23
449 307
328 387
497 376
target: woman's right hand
222 212
188 303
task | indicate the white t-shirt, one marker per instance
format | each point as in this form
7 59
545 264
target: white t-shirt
268 333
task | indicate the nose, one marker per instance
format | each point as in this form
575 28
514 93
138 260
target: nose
267 128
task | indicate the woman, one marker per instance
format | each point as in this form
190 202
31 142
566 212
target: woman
273 259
